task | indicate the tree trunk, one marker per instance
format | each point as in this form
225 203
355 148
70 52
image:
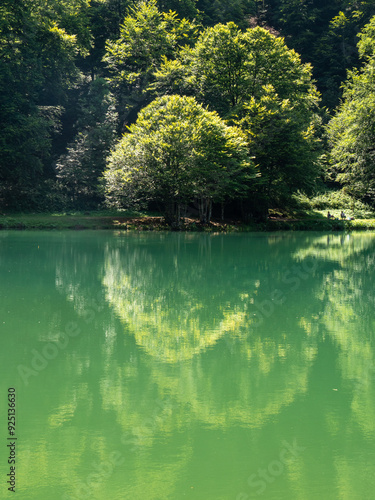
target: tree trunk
209 211
204 210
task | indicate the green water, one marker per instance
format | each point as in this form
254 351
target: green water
188 366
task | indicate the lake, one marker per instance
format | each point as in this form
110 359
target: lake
167 366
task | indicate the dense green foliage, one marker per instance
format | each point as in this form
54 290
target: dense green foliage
79 169
36 68
175 154
75 74
146 36
253 80
352 130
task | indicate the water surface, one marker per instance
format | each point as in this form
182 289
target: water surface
189 366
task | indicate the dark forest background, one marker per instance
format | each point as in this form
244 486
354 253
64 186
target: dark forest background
65 101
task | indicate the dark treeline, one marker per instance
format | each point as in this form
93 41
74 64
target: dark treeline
76 75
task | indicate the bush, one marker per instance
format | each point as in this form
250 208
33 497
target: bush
337 200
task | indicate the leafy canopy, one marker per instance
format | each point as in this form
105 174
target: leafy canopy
146 36
252 79
175 153
352 130
227 67
37 67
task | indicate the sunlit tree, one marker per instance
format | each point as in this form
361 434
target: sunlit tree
254 80
178 152
146 36
351 130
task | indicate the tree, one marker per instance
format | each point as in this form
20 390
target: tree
79 169
252 79
105 18
184 8
178 152
223 11
146 36
335 51
226 67
324 33
352 129
36 68
284 145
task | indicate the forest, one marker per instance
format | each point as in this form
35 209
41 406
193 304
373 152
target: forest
186 106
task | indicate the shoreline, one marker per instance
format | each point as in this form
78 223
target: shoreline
157 223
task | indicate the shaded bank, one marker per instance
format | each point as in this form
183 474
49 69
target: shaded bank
157 223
